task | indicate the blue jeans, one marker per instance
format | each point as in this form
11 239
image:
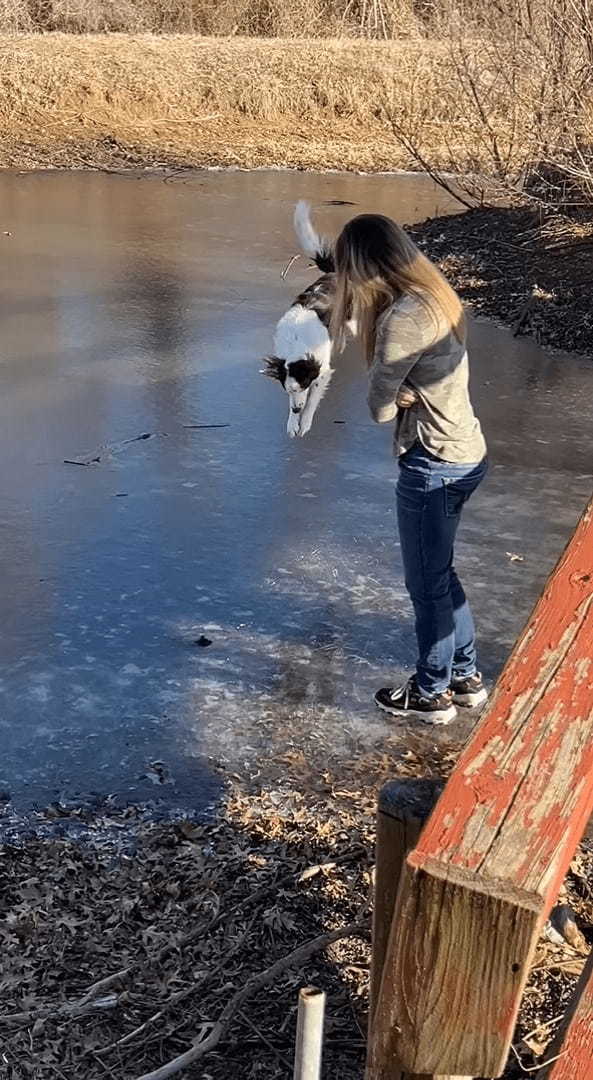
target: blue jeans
430 497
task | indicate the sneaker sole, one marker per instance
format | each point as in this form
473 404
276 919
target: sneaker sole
434 719
470 701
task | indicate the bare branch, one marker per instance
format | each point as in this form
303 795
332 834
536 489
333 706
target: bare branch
205 1045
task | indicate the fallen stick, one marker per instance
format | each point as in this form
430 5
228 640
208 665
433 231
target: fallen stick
103 984
204 929
256 982
90 1003
288 266
180 995
70 1010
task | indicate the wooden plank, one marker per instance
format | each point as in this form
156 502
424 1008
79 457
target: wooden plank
573 1049
490 861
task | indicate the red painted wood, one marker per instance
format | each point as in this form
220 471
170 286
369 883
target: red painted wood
575 1045
528 770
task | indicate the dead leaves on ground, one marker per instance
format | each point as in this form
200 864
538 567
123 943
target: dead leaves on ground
167 922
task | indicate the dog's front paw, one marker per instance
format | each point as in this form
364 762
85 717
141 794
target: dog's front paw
305 425
293 425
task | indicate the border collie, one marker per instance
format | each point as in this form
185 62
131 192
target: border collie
302 343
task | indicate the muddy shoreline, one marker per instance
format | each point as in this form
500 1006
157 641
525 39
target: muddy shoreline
520 267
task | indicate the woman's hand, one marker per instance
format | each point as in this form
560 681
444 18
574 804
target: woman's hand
406 397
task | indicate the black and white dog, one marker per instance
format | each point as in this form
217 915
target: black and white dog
302 343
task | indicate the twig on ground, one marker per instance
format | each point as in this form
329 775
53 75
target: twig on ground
540 1065
70 1010
263 1038
181 995
202 931
298 956
103 984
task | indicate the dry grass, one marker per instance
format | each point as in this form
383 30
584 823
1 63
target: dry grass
258 18
451 87
145 100
122 100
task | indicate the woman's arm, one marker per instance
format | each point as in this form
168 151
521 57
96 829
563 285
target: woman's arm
401 340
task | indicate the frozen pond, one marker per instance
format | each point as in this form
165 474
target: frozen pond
134 306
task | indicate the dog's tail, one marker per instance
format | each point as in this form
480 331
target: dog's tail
312 244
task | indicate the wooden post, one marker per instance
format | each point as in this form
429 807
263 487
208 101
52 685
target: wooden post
403 809
573 1048
490 861
404 806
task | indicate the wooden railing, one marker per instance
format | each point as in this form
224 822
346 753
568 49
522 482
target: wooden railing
461 900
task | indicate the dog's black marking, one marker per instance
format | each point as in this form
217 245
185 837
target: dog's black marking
324 259
319 297
304 371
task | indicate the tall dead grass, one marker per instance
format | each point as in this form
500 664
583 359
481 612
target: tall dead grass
202 100
256 18
494 108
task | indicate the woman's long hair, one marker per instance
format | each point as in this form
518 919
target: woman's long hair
377 262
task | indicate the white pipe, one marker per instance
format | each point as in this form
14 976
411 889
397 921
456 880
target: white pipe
309 1039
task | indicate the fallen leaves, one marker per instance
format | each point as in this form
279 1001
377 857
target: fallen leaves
116 959
123 954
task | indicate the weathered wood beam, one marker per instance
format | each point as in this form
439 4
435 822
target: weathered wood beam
489 863
570 1055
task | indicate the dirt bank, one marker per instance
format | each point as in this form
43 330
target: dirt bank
529 270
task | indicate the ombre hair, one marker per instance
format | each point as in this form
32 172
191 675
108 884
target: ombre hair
376 263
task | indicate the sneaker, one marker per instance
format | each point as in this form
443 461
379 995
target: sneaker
408 700
470 692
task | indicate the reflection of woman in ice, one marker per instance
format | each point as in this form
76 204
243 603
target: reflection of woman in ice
412 328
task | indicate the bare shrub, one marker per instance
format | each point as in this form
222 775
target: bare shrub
517 114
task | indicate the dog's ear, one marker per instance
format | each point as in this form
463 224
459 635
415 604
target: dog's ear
275 368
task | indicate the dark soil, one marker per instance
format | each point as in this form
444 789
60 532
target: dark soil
530 270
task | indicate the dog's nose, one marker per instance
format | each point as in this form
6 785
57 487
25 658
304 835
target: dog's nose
297 408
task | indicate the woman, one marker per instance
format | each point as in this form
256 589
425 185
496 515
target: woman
413 333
